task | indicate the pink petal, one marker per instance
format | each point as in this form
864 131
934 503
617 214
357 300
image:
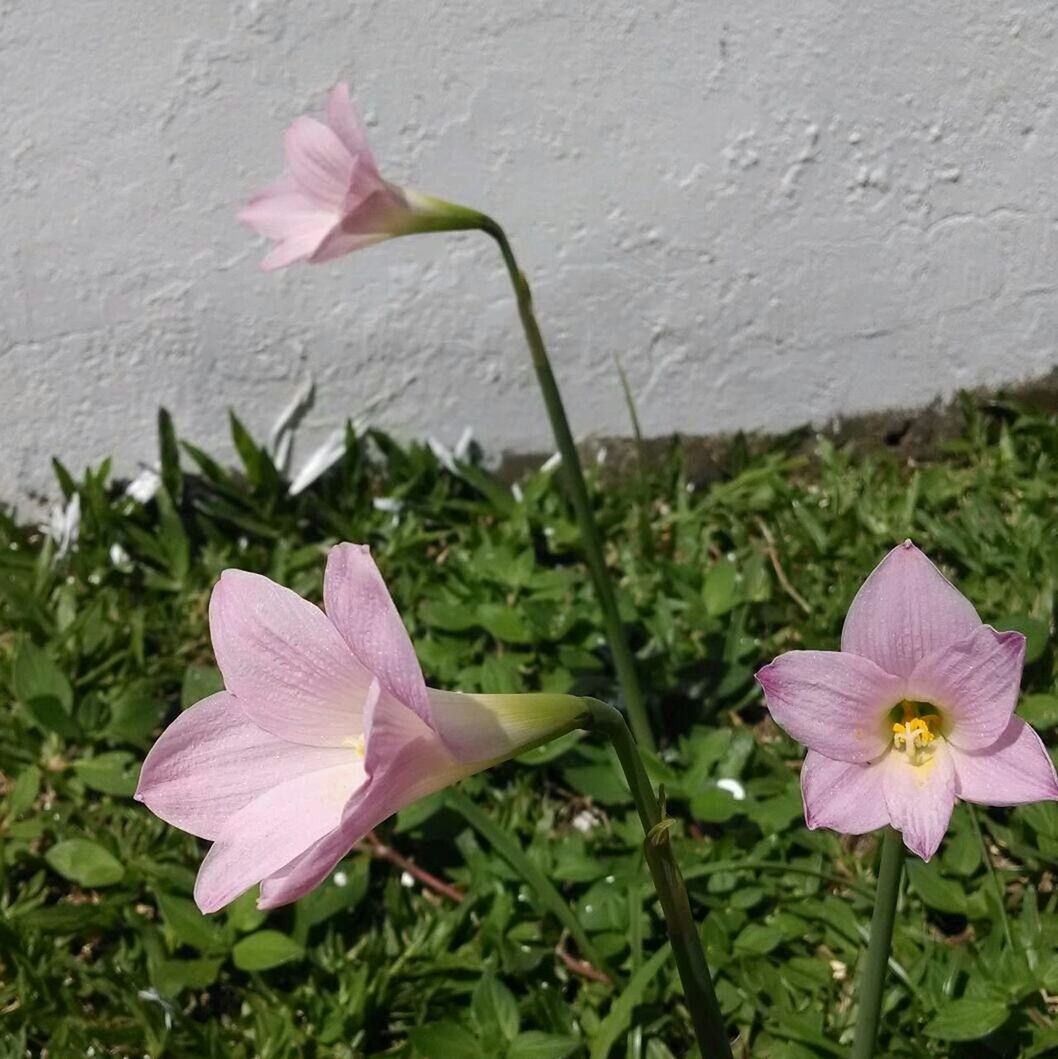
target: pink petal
905 610
1015 770
288 216
339 242
344 120
833 702
300 246
389 727
361 608
841 796
213 760
319 161
920 798
422 767
272 830
974 683
286 663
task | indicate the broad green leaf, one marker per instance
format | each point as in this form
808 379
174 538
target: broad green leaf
1041 711
264 950
494 1009
189 926
534 1044
715 805
85 862
243 913
114 772
719 589
38 677
967 1019
171 977
23 791
756 939
199 682
446 1040
940 893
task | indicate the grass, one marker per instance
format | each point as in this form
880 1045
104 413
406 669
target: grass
103 953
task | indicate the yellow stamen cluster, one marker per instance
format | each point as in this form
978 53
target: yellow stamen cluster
360 746
914 736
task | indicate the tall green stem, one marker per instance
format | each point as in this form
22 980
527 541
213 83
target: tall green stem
589 529
873 981
686 944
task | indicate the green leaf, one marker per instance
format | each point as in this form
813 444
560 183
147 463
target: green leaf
621 1010
38 677
756 939
264 950
494 1009
945 895
602 783
967 1019
445 1040
114 772
534 1044
504 623
189 926
448 617
508 848
1041 711
85 862
199 683
24 791
243 913
171 977
719 589
48 715
169 456
135 713
715 805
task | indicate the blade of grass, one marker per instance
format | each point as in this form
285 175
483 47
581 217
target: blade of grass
620 1013
516 857
646 538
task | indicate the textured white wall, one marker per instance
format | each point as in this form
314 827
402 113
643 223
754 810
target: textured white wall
772 212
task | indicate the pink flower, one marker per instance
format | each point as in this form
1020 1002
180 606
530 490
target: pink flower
331 200
325 728
914 711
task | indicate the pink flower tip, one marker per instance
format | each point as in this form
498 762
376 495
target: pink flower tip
331 200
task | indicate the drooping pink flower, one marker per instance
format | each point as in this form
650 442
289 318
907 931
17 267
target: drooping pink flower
325 728
332 200
915 710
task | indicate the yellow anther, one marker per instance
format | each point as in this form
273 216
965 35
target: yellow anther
914 736
360 746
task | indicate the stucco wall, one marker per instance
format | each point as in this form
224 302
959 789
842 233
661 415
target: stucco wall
771 212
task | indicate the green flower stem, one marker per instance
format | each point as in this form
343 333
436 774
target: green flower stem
997 886
873 980
686 943
589 529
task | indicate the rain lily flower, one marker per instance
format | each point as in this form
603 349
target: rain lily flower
332 200
325 728
915 710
